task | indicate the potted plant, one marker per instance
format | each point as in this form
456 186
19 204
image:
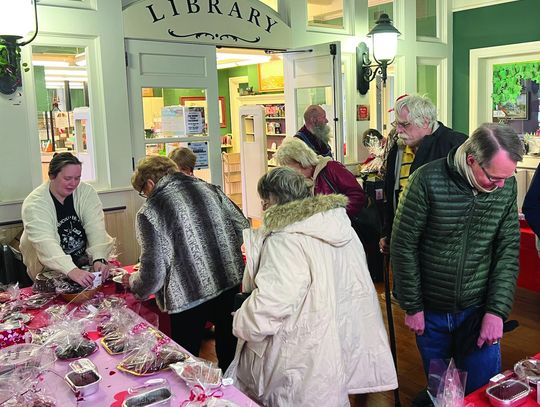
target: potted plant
10 71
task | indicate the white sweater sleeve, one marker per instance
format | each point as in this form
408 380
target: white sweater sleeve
90 211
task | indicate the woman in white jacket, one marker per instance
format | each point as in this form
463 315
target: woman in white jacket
64 226
311 331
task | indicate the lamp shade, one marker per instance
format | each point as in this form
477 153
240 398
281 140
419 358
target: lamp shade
384 36
17 17
384 46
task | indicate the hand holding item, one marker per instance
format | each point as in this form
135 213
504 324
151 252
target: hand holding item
103 267
384 245
416 322
491 331
82 277
125 281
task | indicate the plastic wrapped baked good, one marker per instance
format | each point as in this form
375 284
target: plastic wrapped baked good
151 357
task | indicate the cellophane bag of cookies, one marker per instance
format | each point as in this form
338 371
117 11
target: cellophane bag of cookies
69 339
153 355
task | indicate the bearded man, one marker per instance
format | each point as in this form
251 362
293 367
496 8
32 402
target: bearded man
316 131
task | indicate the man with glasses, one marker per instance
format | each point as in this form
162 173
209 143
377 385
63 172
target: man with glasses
455 251
421 139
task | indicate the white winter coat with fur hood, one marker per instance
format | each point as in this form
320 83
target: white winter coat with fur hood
311 331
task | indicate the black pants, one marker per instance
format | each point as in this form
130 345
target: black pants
187 327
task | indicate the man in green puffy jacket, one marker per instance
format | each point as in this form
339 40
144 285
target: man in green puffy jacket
455 249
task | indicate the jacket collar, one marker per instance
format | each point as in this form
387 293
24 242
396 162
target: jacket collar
421 155
279 216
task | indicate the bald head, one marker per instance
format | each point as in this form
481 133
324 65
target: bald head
313 115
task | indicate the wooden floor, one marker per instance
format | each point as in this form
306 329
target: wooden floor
518 344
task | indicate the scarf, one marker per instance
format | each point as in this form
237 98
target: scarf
465 170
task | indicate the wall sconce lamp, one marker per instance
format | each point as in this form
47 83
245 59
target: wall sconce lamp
384 36
14 26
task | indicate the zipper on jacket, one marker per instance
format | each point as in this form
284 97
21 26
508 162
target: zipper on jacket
459 276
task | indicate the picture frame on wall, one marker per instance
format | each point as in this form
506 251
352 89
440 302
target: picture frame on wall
200 101
271 76
515 110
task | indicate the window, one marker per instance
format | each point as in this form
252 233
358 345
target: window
378 7
426 81
325 14
426 18
64 119
271 3
176 118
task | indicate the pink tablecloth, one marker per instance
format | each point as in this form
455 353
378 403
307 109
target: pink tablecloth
115 383
479 397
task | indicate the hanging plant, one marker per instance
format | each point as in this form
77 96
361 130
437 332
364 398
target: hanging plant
10 73
508 78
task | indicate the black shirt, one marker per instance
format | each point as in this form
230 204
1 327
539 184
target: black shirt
72 235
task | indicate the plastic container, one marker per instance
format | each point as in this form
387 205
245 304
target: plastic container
154 392
83 383
508 393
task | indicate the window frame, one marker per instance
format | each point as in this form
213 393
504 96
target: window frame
95 94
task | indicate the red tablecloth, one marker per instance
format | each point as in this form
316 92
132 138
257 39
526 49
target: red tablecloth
529 262
479 397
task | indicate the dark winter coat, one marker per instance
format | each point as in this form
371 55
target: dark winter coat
432 147
453 248
190 235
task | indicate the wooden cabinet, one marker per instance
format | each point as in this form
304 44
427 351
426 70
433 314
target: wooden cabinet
232 177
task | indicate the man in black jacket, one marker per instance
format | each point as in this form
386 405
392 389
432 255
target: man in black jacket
421 139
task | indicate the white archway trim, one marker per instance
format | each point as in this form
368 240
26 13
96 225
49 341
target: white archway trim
481 61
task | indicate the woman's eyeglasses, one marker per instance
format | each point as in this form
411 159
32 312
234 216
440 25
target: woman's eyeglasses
142 194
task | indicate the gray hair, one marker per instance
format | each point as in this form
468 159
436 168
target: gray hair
489 138
294 150
283 184
420 109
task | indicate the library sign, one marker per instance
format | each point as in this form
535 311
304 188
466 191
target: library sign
232 23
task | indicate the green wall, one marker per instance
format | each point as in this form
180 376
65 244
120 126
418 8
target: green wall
507 23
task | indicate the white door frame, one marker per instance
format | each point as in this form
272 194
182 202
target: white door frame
300 71
174 65
234 83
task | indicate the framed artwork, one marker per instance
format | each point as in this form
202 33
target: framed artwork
271 76
200 101
518 109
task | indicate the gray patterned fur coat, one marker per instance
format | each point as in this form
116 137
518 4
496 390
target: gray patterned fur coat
190 235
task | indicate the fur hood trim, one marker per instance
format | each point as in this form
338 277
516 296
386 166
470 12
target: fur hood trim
279 216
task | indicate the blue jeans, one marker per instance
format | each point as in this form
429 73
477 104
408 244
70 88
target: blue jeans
436 343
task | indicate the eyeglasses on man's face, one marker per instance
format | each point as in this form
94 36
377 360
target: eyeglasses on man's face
403 125
492 178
